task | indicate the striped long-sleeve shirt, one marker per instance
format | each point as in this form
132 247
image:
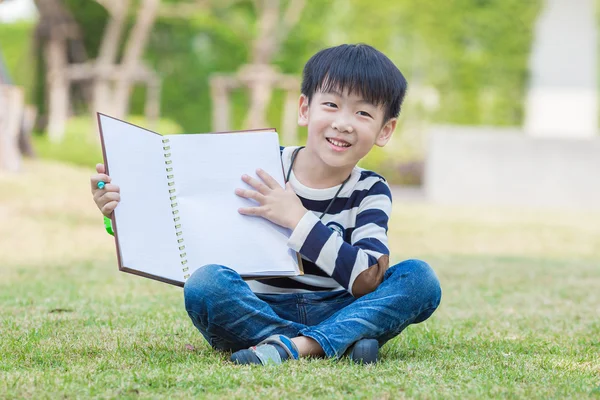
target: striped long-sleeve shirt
348 247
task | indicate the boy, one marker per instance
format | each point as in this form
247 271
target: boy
348 302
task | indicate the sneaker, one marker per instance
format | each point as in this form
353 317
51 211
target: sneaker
273 350
364 351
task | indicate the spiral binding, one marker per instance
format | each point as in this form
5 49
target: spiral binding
174 209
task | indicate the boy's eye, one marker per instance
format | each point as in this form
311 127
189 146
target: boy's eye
330 104
366 114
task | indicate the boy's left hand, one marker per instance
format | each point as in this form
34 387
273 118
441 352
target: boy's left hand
278 205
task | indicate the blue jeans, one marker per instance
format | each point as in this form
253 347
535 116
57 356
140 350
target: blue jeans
231 317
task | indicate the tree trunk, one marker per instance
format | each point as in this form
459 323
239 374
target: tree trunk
290 118
152 107
265 44
272 31
260 97
60 36
25 144
58 87
108 54
219 89
133 53
11 114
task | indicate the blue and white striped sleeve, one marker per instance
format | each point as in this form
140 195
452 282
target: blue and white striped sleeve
359 266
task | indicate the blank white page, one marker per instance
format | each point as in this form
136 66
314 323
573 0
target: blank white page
208 168
144 224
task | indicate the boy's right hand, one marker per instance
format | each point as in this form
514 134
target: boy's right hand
108 198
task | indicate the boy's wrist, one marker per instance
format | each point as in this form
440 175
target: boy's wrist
297 217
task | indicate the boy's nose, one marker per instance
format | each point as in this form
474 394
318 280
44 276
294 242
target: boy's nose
342 127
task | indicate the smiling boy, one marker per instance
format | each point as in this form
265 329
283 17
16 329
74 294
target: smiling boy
349 301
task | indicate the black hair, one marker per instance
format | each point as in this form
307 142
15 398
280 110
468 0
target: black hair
360 69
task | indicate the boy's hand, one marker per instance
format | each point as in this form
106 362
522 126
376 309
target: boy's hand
108 198
278 205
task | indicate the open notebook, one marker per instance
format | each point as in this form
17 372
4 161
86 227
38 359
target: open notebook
178 209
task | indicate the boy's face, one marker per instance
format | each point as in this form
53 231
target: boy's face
343 127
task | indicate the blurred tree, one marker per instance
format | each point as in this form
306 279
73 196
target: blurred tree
61 38
15 122
109 48
131 62
189 41
259 76
11 109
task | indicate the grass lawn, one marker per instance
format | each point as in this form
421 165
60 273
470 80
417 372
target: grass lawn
519 316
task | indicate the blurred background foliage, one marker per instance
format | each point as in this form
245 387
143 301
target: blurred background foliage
465 61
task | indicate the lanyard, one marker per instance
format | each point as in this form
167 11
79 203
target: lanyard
294 154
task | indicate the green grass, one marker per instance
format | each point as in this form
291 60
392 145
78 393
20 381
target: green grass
518 319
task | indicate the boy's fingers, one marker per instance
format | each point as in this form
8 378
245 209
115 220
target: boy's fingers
111 196
268 179
107 197
97 178
108 208
100 168
110 188
250 194
255 211
256 184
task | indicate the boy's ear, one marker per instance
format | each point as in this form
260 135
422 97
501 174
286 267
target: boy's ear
386 132
303 111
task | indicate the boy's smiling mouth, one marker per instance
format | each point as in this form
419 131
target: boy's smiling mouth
338 145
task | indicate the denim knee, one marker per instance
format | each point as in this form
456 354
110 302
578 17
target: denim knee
205 282
425 281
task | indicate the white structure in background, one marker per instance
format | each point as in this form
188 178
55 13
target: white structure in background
554 161
17 10
562 100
